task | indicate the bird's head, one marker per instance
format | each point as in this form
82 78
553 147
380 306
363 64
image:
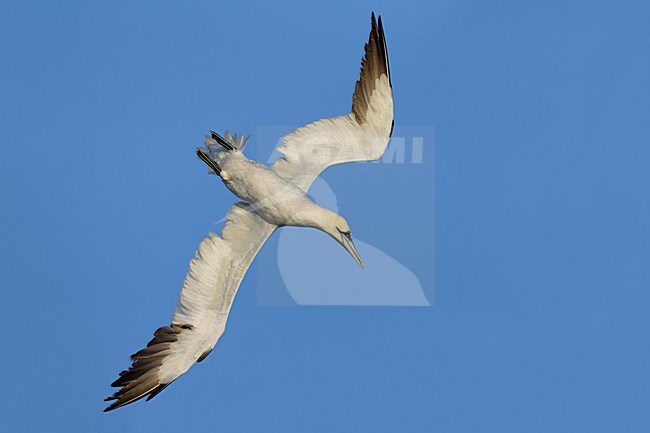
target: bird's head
338 228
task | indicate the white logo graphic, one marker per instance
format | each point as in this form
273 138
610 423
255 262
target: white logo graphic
305 267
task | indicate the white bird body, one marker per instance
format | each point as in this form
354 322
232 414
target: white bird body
276 200
272 196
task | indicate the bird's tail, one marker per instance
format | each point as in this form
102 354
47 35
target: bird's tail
205 157
230 142
215 144
223 142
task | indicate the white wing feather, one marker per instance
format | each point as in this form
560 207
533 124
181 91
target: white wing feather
312 148
215 273
361 135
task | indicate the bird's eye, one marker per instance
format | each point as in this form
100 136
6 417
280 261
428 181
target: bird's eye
346 234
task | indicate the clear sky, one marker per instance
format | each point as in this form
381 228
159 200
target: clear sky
540 316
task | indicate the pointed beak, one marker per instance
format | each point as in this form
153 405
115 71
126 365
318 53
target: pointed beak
348 244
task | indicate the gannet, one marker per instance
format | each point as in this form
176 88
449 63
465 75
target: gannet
272 196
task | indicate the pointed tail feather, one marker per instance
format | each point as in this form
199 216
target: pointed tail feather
222 141
205 157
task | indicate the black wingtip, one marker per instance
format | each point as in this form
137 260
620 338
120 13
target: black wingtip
157 390
382 42
112 407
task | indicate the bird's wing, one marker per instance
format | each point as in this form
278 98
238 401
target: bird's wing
200 317
361 135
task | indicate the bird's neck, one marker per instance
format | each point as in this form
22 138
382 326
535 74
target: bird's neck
317 217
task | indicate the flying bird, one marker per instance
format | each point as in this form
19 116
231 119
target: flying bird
272 196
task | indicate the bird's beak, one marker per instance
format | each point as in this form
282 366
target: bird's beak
348 244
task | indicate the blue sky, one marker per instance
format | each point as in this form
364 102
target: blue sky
542 243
